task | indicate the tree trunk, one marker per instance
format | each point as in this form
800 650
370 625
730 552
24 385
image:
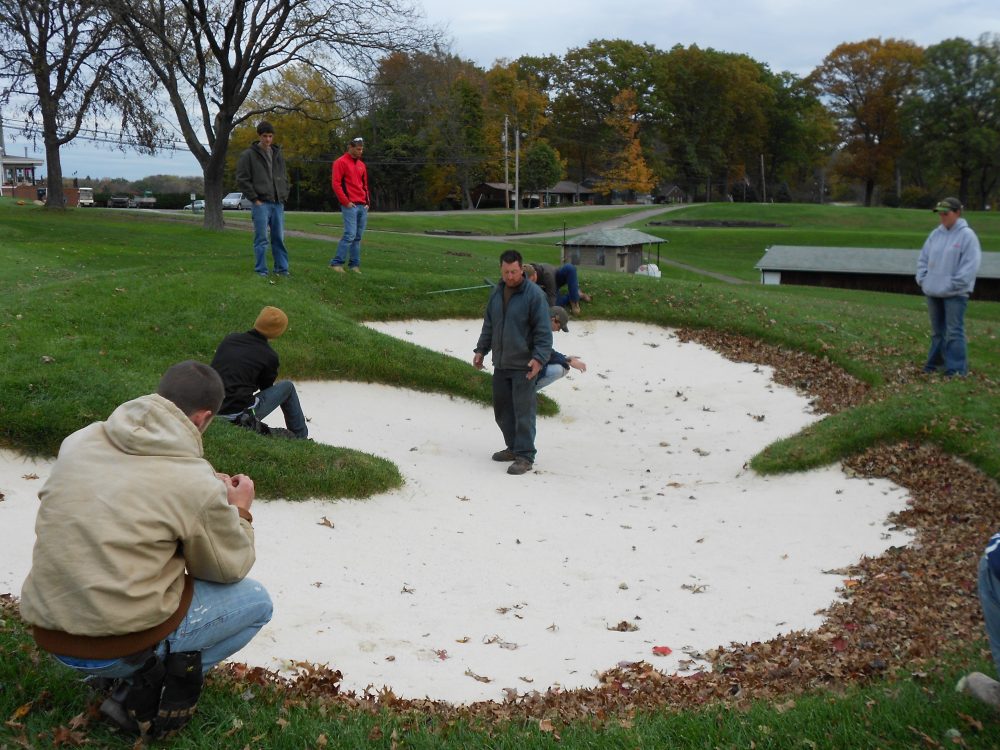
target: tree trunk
54 195
212 171
869 192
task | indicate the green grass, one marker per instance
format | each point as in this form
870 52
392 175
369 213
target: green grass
97 303
496 222
43 705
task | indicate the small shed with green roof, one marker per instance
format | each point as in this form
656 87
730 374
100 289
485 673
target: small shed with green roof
609 249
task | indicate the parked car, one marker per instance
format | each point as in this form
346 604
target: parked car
119 201
236 201
198 205
146 200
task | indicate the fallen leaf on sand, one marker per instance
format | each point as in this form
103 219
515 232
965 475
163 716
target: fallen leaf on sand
325 522
662 650
477 677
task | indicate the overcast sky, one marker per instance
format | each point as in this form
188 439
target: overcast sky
792 35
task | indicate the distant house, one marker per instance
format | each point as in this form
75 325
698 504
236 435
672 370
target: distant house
609 249
491 195
564 192
18 172
567 192
866 268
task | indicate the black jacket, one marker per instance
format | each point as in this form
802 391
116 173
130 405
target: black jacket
247 364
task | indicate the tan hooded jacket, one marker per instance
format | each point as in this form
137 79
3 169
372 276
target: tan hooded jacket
129 505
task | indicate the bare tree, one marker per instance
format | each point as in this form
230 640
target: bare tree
62 63
210 54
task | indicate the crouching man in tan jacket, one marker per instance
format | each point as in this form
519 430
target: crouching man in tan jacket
141 552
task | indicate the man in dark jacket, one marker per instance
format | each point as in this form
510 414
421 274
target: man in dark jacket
261 175
248 367
516 328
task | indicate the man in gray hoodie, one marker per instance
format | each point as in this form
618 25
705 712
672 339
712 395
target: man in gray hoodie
946 272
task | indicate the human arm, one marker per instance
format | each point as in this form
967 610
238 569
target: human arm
993 554
969 259
337 182
219 546
576 363
540 336
244 176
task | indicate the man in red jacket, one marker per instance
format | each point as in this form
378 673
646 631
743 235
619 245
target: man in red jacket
350 185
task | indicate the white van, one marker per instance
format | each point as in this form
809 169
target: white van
86 197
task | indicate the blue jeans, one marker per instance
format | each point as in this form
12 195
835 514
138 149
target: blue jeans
222 619
514 406
283 394
947 335
548 375
355 221
566 276
989 598
269 217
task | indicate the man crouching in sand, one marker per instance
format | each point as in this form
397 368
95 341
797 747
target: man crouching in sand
141 552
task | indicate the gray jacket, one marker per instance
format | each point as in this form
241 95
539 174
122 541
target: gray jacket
256 180
520 333
949 261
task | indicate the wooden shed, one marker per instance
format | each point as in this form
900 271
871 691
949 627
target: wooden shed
867 268
609 249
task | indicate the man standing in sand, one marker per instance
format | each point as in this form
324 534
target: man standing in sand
946 272
141 554
350 185
263 178
517 329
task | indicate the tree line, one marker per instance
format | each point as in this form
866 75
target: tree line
878 121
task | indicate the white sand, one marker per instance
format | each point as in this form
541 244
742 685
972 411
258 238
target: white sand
640 509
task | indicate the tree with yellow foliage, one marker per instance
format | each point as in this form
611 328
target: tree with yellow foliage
625 166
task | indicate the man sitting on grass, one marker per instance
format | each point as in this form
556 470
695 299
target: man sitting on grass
138 573
248 366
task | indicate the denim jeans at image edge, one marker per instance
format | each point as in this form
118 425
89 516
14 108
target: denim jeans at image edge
514 406
269 218
349 247
989 598
222 619
283 394
947 317
548 375
566 275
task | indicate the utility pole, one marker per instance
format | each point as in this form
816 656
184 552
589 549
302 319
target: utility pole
3 153
517 173
506 175
763 182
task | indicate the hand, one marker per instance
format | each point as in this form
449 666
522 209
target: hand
350 205
258 203
477 361
239 490
534 368
577 363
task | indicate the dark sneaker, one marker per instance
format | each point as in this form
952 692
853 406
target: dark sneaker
505 455
521 465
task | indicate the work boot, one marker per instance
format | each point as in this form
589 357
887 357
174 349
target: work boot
356 269
338 269
181 690
981 687
521 465
505 455
574 307
584 296
143 698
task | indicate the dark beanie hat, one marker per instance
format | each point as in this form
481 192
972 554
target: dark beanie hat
271 322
